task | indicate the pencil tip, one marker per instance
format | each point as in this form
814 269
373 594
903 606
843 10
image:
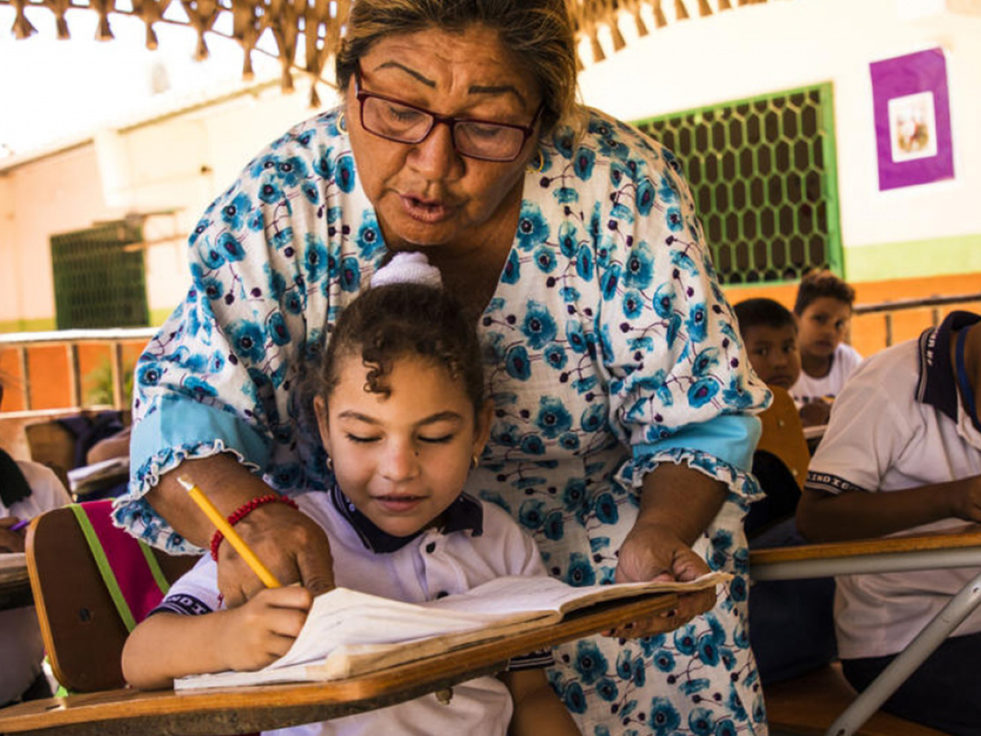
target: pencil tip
185 481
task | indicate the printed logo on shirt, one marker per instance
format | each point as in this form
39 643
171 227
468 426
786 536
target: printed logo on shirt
185 605
828 483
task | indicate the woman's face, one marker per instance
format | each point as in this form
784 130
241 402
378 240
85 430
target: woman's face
427 193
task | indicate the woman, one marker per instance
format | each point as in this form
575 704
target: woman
621 438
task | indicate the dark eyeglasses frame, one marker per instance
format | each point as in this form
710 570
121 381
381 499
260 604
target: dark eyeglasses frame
527 131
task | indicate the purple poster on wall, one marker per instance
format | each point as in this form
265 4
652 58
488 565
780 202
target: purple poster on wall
912 119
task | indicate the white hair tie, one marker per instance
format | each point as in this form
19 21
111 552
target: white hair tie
408 268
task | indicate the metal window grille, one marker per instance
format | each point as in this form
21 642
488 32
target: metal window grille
98 281
762 172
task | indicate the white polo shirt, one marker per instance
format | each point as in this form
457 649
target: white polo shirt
479 542
899 423
21 649
843 363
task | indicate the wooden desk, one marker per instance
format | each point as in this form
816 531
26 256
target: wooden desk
243 710
15 587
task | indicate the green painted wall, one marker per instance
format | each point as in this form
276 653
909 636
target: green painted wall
913 259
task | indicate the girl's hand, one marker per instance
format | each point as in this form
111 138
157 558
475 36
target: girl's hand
11 541
653 552
815 413
263 629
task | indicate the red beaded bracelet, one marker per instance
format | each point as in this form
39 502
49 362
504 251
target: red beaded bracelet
244 510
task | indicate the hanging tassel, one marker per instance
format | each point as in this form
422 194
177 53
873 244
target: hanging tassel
286 81
62 25
22 27
103 7
618 42
704 8
201 52
680 11
594 46
639 22
724 5
151 37
247 73
659 20
314 97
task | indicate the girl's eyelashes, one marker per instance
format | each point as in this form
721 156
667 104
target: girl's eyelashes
364 440
442 439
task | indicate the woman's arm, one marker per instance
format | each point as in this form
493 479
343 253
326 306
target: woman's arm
168 645
287 541
537 709
825 517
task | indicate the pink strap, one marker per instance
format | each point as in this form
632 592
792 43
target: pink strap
127 562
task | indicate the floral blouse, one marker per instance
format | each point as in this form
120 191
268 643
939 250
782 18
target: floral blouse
609 348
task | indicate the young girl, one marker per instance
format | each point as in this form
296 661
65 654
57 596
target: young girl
402 415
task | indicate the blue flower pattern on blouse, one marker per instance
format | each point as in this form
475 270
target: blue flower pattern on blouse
607 346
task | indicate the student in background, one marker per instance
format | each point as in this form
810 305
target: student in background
824 309
401 411
902 455
26 490
791 625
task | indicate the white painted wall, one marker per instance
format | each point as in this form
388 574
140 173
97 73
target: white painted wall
785 44
178 162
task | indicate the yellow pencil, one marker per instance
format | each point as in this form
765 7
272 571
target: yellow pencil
268 579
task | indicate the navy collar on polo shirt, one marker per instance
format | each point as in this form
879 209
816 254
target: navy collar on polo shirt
937 385
464 514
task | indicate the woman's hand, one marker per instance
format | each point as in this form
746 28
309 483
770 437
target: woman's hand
11 541
263 629
288 542
655 552
291 544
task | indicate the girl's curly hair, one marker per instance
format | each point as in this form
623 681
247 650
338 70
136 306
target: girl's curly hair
401 320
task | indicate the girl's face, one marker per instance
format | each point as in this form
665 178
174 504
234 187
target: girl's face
401 459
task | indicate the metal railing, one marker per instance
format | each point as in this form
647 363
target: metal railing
934 302
71 339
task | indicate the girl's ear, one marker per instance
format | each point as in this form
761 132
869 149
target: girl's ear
320 409
482 424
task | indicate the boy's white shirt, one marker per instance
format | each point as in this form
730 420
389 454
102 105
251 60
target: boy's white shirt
906 445
846 360
456 563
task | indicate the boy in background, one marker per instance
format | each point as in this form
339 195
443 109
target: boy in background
824 309
791 622
903 455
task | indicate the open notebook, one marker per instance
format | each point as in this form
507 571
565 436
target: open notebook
349 633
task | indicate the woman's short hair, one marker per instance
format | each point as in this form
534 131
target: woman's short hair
822 283
538 32
404 320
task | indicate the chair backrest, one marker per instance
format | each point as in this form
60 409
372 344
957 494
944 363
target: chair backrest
783 434
91 584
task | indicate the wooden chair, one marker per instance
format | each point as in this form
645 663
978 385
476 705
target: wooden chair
783 434
83 620
822 701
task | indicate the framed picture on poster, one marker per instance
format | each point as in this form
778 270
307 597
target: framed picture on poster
912 119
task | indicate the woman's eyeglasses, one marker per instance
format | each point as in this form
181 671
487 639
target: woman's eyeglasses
399 121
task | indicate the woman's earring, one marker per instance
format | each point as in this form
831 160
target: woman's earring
537 162
474 461
342 122
329 464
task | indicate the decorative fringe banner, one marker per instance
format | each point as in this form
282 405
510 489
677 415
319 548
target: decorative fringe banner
319 23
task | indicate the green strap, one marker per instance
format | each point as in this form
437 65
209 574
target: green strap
154 565
105 569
